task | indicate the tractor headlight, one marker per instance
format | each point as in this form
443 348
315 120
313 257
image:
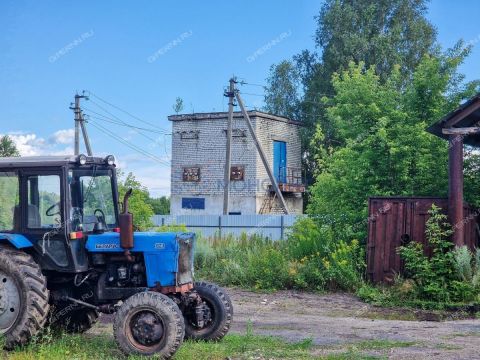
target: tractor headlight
110 160
82 159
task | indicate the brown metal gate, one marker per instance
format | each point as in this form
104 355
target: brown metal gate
394 221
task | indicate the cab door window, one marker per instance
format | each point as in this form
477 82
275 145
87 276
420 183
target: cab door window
9 204
43 208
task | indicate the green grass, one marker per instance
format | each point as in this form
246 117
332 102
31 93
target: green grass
234 346
103 347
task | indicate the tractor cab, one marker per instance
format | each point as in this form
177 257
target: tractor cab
55 202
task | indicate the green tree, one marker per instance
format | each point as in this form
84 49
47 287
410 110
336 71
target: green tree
385 149
385 34
138 205
7 147
161 205
178 106
282 93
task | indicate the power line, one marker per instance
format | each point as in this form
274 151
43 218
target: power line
102 117
124 111
252 84
129 144
123 122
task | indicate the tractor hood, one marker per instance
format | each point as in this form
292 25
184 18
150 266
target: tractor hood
168 256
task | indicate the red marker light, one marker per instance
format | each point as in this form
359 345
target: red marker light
76 235
117 230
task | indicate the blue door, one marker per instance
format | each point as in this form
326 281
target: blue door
280 161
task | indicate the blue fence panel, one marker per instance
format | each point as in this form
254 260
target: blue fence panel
274 227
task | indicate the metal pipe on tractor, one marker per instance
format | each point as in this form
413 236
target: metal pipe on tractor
125 222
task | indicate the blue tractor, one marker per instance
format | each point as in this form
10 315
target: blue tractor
68 252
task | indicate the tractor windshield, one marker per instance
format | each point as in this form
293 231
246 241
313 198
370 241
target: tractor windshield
92 199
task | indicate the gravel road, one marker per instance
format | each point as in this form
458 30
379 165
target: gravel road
340 322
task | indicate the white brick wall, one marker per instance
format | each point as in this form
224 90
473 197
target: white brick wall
208 153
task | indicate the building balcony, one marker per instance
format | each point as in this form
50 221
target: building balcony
290 180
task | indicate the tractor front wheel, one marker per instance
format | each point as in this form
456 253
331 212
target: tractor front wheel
23 297
218 313
149 323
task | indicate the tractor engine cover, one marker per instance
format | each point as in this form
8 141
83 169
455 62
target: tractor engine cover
168 256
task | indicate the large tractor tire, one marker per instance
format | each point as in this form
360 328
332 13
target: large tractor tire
72 318
219 314
149 323
23 297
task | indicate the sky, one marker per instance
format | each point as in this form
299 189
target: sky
134 58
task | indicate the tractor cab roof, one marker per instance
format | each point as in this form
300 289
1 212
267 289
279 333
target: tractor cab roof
54 161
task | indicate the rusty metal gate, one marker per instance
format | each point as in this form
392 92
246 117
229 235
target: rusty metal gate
394 221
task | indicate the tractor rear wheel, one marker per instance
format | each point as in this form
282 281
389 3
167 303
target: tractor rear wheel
23 297
149 323
218 313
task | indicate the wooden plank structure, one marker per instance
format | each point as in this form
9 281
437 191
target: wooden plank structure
460 127
394 221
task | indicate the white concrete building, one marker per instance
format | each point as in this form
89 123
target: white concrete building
198 160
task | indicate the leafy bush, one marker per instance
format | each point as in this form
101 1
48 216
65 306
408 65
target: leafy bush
446 275
171 228
309 259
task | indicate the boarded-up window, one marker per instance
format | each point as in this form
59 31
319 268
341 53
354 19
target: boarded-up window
237 173
239 133
191 174
193 203
189 135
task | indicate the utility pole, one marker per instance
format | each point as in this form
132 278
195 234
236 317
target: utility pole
80 124
226 191
262 154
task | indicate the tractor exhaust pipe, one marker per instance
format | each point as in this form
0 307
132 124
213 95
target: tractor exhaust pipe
125 220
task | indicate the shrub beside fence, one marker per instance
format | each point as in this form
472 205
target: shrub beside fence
273 227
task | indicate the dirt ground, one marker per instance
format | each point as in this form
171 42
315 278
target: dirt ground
336 322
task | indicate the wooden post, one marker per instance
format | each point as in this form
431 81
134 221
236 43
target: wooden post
226 191
455 188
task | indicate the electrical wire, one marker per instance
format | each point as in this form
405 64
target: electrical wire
102 117
123 122
129 144
124 111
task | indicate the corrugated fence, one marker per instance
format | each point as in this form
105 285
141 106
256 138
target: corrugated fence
271 226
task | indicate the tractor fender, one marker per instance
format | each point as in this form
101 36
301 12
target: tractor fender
17 240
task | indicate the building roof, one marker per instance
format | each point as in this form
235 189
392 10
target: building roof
44 161
236 115
465 116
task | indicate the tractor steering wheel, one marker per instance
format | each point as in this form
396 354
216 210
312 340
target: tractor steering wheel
50 209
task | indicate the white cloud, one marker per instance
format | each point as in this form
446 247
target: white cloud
65 136
30 144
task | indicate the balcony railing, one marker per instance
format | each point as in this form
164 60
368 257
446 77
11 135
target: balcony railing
290 179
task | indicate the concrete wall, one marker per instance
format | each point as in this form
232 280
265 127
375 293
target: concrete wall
199 140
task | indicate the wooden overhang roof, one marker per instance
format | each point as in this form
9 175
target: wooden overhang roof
466 117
